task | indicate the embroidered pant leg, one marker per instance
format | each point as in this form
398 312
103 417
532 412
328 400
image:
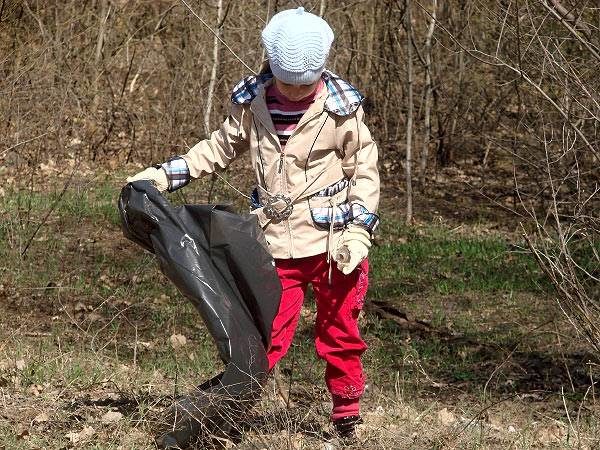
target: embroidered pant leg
293 283
337 337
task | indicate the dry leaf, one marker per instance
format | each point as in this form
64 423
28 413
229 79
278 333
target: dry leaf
177 341
42 417
80 436
35 389
20 364
22 432
445 417
111 417
552 434
80 307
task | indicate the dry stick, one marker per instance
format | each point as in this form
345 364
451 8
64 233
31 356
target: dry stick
480 412
50 210
502 29
477 54
18 144
590 388
495 371
289 393
218 37
498 367
562 356
562 394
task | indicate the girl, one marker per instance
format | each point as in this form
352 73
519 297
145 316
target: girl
316 197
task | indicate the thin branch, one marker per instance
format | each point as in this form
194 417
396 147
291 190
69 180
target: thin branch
218 37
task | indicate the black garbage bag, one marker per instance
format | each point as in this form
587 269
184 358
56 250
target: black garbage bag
220 262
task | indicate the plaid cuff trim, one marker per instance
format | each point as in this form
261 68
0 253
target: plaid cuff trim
345 214
322 216
334 188
361 217
178 173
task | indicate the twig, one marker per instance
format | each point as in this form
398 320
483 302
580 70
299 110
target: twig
511 353
49 212
18 144
562 394
480 413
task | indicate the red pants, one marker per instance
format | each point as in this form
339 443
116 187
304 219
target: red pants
337 338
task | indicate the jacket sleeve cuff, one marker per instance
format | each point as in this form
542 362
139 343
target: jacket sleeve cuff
360 216
178 173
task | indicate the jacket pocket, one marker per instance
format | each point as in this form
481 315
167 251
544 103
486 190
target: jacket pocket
325 209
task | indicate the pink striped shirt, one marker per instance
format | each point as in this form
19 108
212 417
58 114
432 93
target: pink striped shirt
286 113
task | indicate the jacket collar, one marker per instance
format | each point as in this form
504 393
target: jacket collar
342 99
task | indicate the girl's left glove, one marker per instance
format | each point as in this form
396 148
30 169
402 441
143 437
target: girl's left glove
156 176
352 248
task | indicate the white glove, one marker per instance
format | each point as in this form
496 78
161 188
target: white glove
352 248
156 176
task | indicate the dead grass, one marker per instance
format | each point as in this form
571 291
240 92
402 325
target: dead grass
91 344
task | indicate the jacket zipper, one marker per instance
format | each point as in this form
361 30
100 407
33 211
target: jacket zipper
282 176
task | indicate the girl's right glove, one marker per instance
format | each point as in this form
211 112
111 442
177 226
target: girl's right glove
156 176
352 248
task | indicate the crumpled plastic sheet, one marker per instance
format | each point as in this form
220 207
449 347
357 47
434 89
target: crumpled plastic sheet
219 260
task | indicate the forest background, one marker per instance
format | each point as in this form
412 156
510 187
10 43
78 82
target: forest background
484 301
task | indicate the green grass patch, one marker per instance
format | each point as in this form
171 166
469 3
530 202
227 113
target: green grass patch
97 202
435 260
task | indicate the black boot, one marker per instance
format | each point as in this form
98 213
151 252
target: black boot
345 428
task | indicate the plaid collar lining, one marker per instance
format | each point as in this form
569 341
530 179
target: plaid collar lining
343 99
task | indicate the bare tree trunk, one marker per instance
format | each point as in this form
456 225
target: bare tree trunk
372 19
267 18
428 88
211 86
104 12
409 112
215 66
322 7
448 155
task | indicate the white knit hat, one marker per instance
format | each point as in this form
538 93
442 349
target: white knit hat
297 44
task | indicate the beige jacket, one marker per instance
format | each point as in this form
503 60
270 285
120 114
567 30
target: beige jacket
331 146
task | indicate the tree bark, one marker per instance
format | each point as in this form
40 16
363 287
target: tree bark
409 112
213 73
211 87
322 7
428 89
